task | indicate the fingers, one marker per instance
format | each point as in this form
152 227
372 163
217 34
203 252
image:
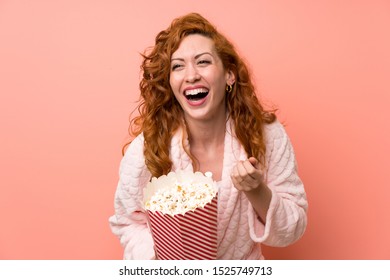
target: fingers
246 168
246 176
240 183
254 162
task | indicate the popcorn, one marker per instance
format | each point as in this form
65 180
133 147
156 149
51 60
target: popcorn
180 192
181 198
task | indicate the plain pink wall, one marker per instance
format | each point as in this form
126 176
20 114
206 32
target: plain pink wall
69 73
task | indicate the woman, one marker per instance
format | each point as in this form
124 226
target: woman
199 112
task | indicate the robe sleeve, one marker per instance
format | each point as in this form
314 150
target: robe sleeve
287 215
129 223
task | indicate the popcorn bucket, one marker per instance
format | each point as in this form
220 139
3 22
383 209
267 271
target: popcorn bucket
190 234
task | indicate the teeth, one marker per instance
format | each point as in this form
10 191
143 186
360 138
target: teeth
195 91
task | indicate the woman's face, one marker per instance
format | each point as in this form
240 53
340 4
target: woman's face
198 78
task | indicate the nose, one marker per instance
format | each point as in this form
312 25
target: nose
191 74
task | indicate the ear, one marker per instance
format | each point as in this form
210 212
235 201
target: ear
230 77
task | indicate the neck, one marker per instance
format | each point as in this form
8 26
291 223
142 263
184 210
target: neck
207 134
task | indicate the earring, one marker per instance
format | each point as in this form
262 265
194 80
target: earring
229 88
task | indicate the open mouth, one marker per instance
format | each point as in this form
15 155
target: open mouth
196 94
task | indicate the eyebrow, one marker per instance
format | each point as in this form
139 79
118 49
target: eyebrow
196 56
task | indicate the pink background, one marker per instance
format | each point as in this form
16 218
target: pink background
69 73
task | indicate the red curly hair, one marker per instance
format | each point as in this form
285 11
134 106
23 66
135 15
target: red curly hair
160 115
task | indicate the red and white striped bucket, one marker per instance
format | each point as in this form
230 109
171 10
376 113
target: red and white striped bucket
189 236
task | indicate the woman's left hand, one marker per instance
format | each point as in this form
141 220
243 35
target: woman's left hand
247 176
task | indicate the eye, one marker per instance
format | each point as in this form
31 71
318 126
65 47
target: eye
175 66
204 62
